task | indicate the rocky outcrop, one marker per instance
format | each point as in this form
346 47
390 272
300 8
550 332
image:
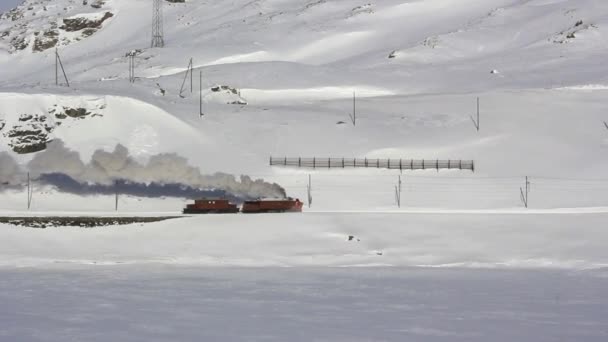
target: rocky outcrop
81 23
34 26
228 95
74 113
32 135
569 35
98 4
46 40
19 43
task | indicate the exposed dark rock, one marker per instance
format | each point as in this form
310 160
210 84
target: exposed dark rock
28 145
76 112
162 91
2 124
32 135
83 222
135 52
98 4
88 32
15 14
176 1
47 41
238 102
77 24
25 117
21 131
217 89
30 138
60 116
19 43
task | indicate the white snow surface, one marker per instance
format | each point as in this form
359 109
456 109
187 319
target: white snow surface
296 64
127 303
460 260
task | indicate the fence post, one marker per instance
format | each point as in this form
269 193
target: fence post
329 163
423 167
300 162
342 162
314 163
437 165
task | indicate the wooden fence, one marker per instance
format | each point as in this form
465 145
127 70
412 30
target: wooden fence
392 164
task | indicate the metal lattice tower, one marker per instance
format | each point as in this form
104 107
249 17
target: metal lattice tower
157 24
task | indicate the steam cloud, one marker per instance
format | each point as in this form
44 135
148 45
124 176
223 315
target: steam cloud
163 175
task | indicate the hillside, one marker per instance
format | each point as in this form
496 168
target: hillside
454 256
291 68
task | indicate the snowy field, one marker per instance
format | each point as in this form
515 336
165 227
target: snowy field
490 240
168 303
460 260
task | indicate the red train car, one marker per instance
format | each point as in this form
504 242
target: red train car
211 206
272 206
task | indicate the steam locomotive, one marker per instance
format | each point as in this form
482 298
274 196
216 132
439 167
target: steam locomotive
223 206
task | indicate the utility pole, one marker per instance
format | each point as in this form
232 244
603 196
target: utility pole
132 67
189 71
353 116
58 64
30 192
309 189
158 40
115 195
200 95
398 192
476 122
524 195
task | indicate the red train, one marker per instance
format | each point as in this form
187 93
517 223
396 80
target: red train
211 206
223 206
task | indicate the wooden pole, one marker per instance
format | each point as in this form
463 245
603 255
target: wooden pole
200 95
28 192
524 196
309 188
56 67
478 114
62 69
116 196
354 109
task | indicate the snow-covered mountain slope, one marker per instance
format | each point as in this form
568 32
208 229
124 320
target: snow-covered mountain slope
278 77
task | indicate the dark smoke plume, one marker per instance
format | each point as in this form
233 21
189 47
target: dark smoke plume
163 175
